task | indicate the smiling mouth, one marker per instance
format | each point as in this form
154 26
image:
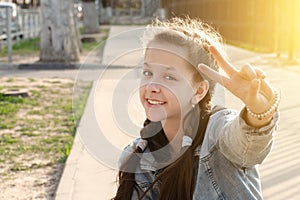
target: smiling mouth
155 102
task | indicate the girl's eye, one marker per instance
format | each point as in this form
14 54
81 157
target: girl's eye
147 73
170 78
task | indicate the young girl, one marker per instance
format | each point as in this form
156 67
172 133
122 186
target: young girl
189 150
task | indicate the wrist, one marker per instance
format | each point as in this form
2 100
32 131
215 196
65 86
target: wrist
270 111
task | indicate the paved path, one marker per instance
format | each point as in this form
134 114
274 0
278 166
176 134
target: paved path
89 172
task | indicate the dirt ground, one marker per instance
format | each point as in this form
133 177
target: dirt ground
37 139
34 184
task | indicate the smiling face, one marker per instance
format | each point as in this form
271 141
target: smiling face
167 84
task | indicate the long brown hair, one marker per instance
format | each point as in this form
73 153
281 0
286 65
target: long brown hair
197 37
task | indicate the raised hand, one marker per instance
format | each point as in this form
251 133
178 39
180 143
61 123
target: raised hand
249 83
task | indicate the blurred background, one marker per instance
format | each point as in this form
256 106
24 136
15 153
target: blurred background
270 25
264 26
64 35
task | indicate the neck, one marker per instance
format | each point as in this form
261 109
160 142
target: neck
173 132
171 128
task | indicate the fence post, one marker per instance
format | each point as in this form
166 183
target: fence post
23 24
8 33
36 17
29 25
33 25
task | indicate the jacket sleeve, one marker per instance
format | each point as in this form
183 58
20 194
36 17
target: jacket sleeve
242 144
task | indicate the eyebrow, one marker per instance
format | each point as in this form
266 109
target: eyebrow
165 66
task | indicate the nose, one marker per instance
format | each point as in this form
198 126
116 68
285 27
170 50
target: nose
153 87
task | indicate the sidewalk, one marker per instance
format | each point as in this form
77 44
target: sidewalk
89 172
90 169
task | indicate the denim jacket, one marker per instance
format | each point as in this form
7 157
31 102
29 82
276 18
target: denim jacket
228 159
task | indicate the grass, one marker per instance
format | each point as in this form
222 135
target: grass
89 46
24 47
7 139
33 45
102 30
41 126
8 109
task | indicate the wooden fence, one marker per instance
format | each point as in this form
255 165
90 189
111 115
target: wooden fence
26 25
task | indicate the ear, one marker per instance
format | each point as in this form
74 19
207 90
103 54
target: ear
202 89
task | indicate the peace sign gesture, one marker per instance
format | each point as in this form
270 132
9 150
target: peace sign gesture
248 83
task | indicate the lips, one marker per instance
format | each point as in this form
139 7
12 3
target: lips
154 102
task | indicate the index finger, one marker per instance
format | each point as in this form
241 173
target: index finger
212 74
222 61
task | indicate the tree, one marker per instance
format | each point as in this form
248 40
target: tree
59 35
90 17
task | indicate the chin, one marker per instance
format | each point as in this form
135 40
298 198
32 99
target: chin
154 119
156 116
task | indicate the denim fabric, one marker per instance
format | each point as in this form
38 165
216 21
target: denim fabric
229 159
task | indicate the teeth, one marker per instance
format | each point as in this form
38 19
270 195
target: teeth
155 102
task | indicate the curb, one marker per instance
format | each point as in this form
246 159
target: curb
8 66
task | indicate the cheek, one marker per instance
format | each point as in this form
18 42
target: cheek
183 95
182 101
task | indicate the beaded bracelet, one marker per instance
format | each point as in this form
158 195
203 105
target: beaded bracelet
273 108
